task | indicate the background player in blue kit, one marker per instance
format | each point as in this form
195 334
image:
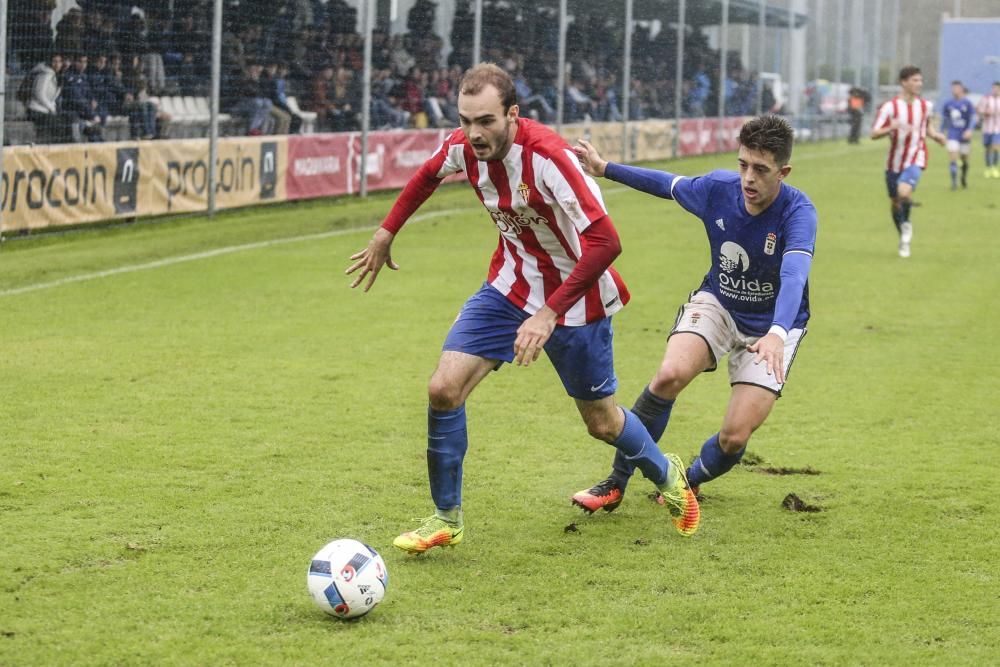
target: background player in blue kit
753 303
958 117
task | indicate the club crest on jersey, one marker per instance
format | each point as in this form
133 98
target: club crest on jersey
769 243
524 190
721 224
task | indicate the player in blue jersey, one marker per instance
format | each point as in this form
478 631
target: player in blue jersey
958 117
753 303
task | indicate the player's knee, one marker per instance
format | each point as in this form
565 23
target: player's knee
443 395
603 427
733 439
668 382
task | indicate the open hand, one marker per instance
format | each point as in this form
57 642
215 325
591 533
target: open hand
372 259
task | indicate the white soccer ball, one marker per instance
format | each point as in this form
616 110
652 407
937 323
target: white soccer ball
347 578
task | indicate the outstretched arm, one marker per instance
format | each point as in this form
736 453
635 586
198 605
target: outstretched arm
376 255
650 181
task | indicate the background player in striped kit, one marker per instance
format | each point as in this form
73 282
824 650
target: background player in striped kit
989 111
550 286
752 305
906 120
958 118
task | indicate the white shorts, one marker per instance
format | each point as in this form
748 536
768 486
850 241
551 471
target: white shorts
704 316
956 146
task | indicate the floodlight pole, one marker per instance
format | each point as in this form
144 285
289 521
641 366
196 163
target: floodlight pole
761 27
477 36
679 73
626 79
213 122
3 89
561 76
723 52
876 51
838 56
366 94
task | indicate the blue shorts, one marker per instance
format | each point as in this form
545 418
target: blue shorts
909 175
583 357
991 139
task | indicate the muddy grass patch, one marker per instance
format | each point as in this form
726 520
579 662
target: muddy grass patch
793 503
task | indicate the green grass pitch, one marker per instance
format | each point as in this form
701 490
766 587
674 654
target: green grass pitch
178 440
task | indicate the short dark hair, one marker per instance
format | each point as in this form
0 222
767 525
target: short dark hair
489 74
769 133
956 82
908 71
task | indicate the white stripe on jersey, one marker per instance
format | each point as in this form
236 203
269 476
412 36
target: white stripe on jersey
989 110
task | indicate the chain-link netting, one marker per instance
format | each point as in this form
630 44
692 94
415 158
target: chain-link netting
644 79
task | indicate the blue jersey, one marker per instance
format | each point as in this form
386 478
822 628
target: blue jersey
957 116
747 250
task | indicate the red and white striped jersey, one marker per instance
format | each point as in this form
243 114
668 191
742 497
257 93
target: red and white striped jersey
541 201
989 111
906 144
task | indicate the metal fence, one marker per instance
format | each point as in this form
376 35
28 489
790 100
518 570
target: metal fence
92 71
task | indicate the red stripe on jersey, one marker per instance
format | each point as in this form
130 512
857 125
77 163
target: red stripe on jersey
498 176
515 297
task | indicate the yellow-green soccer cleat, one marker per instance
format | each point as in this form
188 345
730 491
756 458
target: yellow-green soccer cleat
433 532
681 501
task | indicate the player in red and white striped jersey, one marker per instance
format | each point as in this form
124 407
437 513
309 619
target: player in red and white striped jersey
989 110
549 286
906 120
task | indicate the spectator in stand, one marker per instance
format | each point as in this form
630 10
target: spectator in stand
99 36
402 60
385 111
43 107
70 32
80 103
445 97
413 98
143 115
335 99
32 43
275 87
607 108
536 105
104 87
251 104
579 106
186 56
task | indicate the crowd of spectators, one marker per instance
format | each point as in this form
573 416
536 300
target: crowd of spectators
116 57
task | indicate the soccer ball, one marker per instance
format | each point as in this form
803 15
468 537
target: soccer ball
347 578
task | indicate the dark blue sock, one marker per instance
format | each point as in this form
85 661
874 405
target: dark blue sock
654 413
638 448
712 462
905 212
897 216
447 441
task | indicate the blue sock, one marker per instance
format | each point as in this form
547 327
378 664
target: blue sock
904 214
636 445
712 462
447 441
953 169
654 413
